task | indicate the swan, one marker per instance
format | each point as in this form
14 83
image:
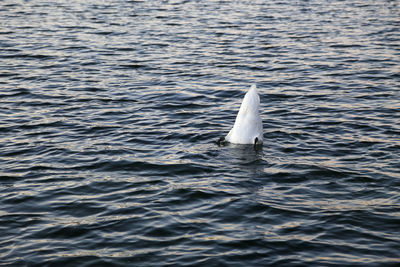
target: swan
248 128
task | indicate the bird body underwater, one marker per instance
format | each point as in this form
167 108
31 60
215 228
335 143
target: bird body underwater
248 128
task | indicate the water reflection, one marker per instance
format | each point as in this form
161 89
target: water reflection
243 154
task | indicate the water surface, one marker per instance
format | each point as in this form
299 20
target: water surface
110 112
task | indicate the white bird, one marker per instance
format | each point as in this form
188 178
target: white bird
248 128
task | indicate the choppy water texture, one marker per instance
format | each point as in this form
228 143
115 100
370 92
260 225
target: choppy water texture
110 111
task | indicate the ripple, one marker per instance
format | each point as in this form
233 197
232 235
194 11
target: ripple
110 114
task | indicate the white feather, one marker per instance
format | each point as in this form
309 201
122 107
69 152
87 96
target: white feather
248 124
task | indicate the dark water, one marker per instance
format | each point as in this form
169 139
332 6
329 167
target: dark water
110 111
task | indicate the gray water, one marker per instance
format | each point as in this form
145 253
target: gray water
110 112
